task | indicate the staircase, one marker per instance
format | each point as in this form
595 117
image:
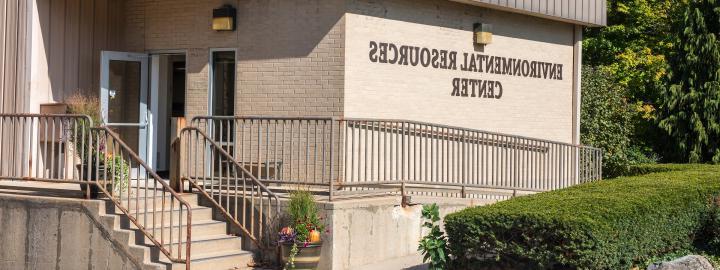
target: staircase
212 247
163 229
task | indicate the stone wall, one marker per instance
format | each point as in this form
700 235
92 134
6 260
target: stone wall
55 233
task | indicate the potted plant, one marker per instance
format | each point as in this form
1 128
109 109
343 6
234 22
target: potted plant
300 242
92 149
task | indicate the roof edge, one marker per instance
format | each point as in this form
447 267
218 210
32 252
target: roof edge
590 13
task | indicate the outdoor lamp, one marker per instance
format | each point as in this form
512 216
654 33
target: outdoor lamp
482 33
224 18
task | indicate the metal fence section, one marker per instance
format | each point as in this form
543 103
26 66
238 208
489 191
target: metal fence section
147 200
365 155
230 186
69 149
34 146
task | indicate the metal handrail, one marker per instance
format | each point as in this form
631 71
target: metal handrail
349 152
196 144
197 119
144 226
68 148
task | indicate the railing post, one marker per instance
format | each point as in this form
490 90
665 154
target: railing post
332 168
175 180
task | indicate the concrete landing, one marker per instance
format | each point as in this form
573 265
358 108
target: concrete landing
57 190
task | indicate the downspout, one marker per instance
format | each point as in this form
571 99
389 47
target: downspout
577 85
577 95
23 105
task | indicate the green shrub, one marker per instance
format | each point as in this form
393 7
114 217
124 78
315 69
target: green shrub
613 224
641 169
304 214
606 119
433 246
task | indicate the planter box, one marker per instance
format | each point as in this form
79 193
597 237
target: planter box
307 257
93 172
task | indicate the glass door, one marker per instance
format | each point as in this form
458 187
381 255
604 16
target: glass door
123 98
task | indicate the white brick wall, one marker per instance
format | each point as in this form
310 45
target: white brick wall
532 107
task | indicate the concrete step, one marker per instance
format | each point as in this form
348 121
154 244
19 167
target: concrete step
211 246
231 259
157 202
199 214
199 230
205 245
140 192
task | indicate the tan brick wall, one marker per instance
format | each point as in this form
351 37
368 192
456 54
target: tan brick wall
292 60
311 58
290 53
534 107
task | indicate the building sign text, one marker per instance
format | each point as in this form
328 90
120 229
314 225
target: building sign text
389 53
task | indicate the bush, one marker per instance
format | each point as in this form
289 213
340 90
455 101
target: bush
606 119
613 224
433 246
304 215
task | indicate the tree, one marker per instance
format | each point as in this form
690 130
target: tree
634 45
606 119
689 111
633 51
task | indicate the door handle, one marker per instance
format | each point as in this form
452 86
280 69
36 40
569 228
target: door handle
140 125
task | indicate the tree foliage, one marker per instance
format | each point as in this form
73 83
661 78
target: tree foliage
690 112
634 45
607 121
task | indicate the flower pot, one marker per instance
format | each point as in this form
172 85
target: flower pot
92 172
308 257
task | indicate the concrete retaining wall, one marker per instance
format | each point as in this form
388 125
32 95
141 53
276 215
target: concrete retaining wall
377 233
369 233
55 233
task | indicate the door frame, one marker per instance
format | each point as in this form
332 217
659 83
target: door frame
153 113
209 128
211 74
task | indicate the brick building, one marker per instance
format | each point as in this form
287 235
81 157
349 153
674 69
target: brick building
462 93
289 58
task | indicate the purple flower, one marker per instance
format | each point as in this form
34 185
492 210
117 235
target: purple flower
287 238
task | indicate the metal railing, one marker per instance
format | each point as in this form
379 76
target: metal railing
69 149
157 210
243 200
33 146
365 155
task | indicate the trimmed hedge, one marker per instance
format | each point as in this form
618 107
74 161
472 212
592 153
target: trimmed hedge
611 224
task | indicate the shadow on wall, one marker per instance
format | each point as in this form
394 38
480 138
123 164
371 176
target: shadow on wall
293 29
459 16
41 232
73 33
276 29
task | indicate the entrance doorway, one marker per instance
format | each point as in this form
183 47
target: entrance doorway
168 83
142 98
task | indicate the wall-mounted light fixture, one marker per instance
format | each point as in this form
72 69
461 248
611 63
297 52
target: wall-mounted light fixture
224 18
482 33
